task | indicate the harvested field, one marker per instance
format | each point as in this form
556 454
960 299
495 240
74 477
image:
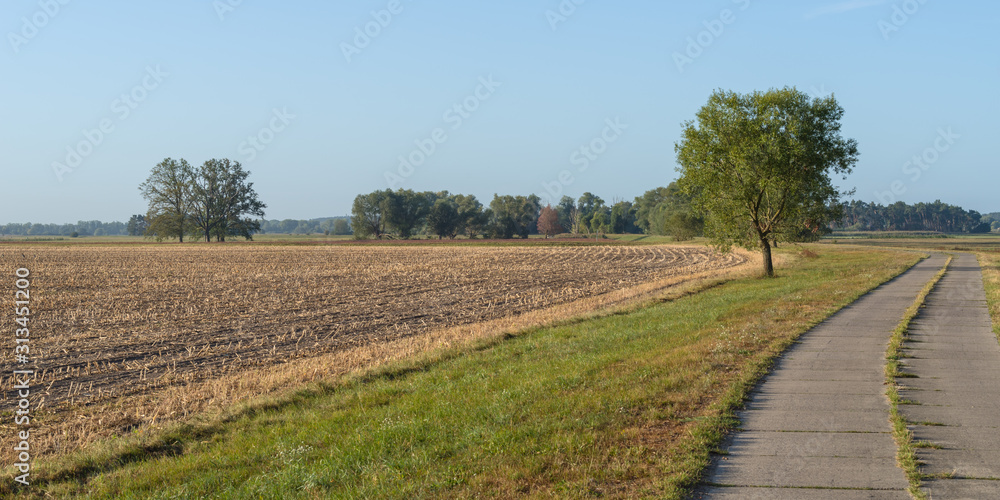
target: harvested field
110 323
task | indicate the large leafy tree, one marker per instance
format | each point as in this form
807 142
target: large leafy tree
442 220
369 215
758 166
667 211
513 215
223 202
471 219
622 217
566 209
168 192
600 222
588 205
408 211
137 225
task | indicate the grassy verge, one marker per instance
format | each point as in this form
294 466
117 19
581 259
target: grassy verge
625 405
990 263
906 448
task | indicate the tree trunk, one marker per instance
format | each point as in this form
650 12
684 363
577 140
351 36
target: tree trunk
765 247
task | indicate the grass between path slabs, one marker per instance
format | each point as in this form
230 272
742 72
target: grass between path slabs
906 448
627 405
990 264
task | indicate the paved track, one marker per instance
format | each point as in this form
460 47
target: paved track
818 426
956 359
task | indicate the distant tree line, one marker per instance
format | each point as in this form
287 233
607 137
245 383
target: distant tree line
993 219
330 226
81 228
214 200
899 216
663 211
403 214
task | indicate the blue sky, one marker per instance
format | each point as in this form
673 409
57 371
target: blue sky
331 112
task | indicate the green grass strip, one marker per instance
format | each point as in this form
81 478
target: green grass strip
990 264
906 449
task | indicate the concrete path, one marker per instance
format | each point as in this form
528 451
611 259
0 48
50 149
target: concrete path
956 357
818 426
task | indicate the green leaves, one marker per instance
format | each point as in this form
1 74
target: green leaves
758 165
221 198
213 200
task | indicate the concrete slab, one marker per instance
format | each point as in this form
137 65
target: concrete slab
829 364
961 463
812 444
961 489
982 417
822 387
958 438
790 374
964 361
817 472
954 399
928 383
824 421
950 334
972 344
737 493
956 319
871 355
820 402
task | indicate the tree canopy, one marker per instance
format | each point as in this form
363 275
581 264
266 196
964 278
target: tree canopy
214 200
168 191
221 200
758 166
548 222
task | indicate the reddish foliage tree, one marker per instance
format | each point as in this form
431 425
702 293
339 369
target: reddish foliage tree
548 222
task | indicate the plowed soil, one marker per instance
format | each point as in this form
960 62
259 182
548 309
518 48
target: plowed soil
112 321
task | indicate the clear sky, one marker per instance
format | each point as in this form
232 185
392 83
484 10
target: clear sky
332 109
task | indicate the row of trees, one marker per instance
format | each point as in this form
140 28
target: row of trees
329 226
899 216
406 213
213 200
81 228
137 226
993 219
667 211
